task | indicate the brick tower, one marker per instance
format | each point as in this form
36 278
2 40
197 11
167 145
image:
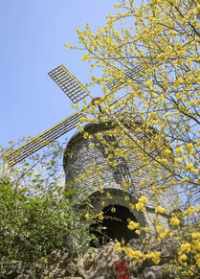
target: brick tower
87 170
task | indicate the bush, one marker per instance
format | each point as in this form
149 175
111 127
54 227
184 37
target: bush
31 227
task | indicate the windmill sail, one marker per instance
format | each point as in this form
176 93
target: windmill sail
131 74
76 91
42 140
71 86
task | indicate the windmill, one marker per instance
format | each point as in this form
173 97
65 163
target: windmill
76 92
79 155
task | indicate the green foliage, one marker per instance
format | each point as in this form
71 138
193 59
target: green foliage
31 227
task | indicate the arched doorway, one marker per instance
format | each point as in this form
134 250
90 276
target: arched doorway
114 225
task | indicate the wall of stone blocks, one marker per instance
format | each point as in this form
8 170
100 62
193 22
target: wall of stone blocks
87 169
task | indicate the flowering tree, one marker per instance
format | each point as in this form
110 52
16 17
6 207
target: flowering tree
146 59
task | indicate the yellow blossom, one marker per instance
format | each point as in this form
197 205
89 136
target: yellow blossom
138 232
154 256
196 235
133 225
160 210
140 205
189 148
86 57
190 167
185 248
137 255
174 221
167 152
117 247
178 160
149 83
163 161
196 245
162 232
143 199
179 150
182 258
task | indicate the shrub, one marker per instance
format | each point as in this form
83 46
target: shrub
31 227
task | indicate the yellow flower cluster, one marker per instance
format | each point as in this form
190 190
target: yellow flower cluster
140 205
137 255
162 232
174 221
154 256
191 249
190 167
117 247
133 225
167 152
190 148
185 248
160 210
182 258
196 236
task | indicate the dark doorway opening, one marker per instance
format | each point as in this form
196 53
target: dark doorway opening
114 226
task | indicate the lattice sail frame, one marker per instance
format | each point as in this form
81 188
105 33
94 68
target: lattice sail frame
43 139
76 91
68 83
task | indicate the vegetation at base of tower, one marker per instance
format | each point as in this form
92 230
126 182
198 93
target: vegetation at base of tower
37 217
161 122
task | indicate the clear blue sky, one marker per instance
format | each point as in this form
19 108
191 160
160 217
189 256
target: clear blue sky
33 33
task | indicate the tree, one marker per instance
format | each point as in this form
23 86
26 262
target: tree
150 53
37 217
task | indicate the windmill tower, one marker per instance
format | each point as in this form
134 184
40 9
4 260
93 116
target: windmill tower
87 155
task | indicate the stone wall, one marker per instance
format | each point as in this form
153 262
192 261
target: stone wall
87 169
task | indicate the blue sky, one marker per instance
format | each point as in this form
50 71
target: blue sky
33 34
